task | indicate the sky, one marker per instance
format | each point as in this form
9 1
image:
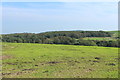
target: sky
37 17
60 0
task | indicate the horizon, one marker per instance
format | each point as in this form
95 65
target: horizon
51 31
33 17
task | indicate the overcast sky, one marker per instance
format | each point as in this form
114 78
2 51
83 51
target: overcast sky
39 17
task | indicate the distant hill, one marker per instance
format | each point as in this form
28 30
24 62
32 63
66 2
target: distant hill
115 33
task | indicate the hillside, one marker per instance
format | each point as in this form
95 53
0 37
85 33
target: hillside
115 33
86 38
27 60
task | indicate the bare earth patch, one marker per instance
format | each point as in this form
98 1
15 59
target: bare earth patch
5 57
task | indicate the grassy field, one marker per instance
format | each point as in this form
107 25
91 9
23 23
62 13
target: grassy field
99 38
27 60
115 33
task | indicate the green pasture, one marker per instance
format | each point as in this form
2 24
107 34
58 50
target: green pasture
27 60
99 38
115 33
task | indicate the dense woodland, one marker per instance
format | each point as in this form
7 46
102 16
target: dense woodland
62 37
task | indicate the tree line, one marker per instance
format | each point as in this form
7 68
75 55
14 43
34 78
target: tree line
61 37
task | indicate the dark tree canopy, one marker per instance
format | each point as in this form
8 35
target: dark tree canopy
61 37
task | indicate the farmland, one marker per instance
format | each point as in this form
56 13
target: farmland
99 38
113 35
28 60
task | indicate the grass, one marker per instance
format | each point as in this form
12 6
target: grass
99 38
27 60
115 33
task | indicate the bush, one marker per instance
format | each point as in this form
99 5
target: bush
86 43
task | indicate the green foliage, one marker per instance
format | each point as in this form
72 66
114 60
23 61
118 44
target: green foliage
86 42
33 38
115 34
107 43
62 37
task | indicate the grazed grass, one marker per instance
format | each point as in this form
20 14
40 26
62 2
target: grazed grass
29 60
